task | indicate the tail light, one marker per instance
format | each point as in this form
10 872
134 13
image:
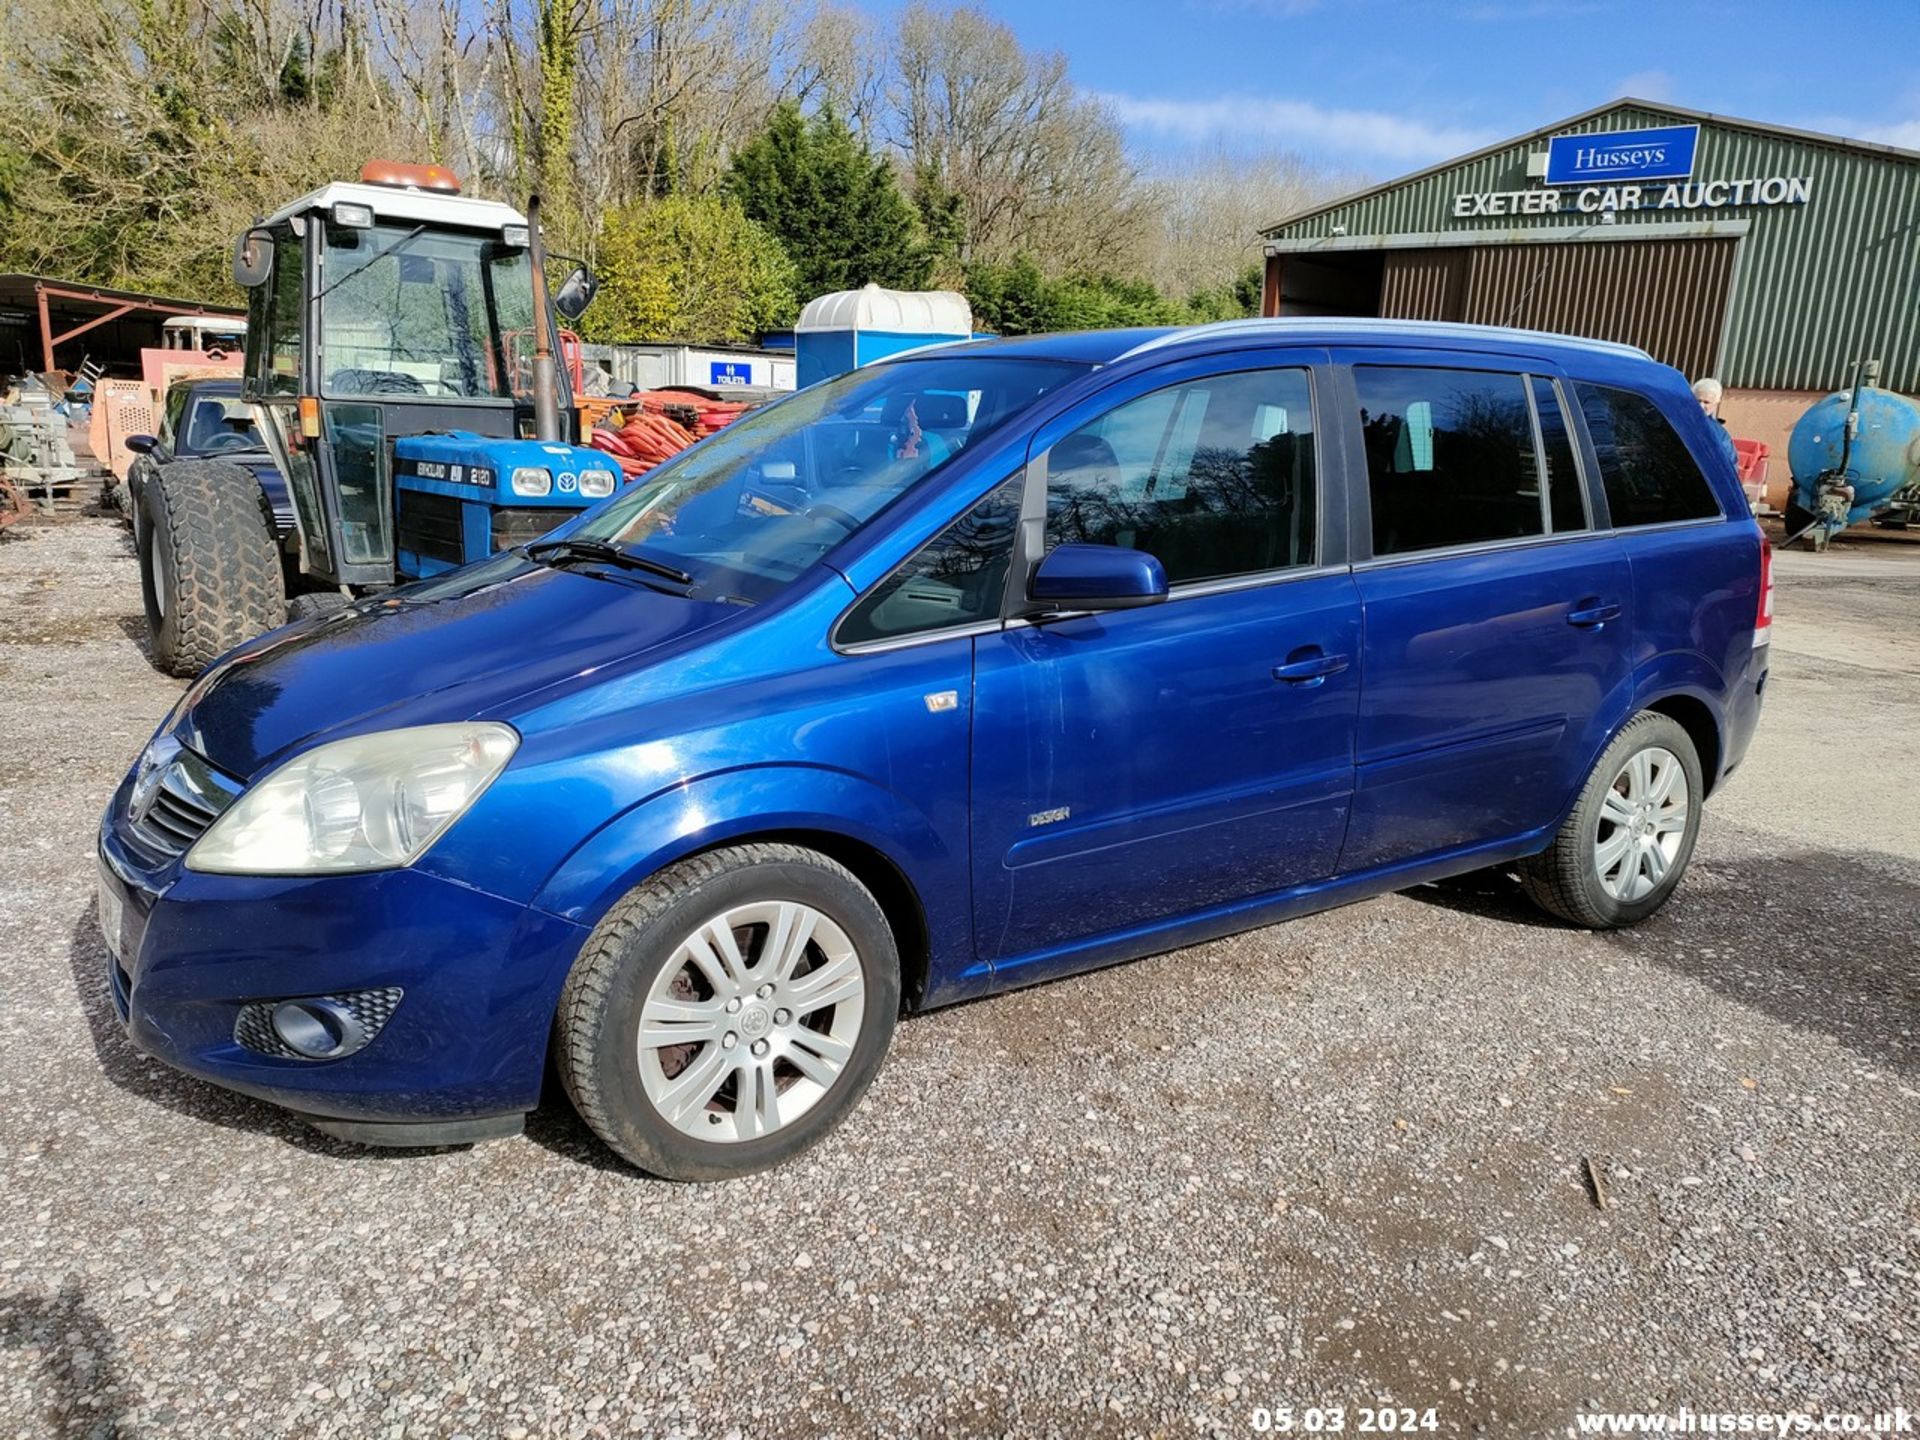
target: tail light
1763 619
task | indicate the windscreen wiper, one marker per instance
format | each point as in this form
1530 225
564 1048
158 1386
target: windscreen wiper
603 553
394 249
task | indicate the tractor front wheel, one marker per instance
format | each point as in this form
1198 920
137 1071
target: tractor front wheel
209 572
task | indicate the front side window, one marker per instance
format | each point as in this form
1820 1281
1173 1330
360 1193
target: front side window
276 316
1214 477
750 508
957 579
170 423
1649 475
1450 457
408 312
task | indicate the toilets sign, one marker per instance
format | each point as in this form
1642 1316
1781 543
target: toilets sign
1608 159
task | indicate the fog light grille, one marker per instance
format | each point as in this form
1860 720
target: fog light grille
316 1027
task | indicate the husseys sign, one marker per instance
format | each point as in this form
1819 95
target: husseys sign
1599 200
1663 154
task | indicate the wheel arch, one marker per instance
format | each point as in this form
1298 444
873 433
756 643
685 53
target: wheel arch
1702 725
895 852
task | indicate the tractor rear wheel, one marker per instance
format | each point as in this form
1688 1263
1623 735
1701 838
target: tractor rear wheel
209 572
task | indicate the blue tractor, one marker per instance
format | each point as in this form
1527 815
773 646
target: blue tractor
401 368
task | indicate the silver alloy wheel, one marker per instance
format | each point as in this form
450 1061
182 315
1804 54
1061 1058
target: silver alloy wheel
752 1021
1643 821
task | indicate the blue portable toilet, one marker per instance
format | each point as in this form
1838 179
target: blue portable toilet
850 328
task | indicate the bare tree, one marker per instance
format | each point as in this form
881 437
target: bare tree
1038 166
1207 210
441 67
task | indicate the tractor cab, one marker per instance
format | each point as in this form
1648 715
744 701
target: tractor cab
396 334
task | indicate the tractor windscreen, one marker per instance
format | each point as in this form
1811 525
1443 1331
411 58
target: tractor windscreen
747 510
410 311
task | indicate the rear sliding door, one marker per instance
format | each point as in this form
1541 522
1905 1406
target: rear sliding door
1496 616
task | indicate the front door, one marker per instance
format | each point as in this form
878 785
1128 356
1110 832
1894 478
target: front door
1496 617
1134 766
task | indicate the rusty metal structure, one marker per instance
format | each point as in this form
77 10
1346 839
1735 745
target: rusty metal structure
120 323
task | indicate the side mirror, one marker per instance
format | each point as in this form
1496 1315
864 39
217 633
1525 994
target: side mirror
141 444
576 292
253 259
1098 577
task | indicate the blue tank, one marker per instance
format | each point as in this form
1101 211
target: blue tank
1851 454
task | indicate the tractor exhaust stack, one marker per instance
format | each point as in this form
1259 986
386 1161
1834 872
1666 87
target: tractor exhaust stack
546 373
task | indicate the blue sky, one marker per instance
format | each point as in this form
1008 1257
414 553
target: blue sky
1381 87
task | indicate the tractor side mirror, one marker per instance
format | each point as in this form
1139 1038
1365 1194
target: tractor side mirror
576 292
253 259
141 444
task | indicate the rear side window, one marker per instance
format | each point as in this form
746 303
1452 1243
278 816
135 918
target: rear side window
1450 457
1649 475
1215 477
956 579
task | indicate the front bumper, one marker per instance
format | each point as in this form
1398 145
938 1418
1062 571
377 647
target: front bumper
480 977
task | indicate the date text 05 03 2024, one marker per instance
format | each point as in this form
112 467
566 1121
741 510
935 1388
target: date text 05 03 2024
1343 1419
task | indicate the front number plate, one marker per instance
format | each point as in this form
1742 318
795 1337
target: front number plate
113 914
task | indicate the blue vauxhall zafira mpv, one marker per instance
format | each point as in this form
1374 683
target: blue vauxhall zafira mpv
975 668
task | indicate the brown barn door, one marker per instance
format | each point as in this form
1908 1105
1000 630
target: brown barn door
1424 285
1667 296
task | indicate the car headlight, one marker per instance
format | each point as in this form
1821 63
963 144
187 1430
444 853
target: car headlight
596 484
373 802
533 480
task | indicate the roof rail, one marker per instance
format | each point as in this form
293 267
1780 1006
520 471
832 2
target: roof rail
1363 326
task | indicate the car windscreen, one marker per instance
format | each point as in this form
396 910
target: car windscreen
750 508
216 424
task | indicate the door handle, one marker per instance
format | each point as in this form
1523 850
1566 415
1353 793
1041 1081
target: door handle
1311 667
1592 614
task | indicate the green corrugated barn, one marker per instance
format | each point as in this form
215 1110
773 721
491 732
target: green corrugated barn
1767 257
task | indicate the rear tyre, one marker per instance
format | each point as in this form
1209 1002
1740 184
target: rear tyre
1622 851
209 571
309 603
730 1012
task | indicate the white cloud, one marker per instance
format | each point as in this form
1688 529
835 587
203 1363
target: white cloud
1349 135
1645 85
1904 133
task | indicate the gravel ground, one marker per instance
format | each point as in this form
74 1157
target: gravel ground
1337 1162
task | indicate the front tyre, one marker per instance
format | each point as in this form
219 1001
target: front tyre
209 572
1622 851
729 1012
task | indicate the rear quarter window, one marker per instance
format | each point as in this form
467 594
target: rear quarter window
1648 473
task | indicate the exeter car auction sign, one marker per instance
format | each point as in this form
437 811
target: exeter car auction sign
1603 200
